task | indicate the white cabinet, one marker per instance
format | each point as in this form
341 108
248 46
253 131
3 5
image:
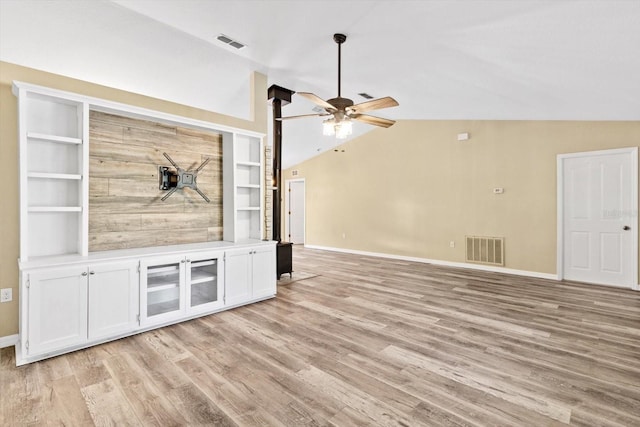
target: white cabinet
263 272
176 286
56 300
250 274
243 188
67 307
53 135
113 299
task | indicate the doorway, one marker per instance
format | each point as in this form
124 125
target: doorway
295 211
598 217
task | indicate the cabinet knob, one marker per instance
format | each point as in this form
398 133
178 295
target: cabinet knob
182 261
92 272
84 273
188 260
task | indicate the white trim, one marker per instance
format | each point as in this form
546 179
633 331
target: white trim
103 105
9 340
470 266
287 184
633 151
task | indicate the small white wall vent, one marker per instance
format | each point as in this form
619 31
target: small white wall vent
485 250
231 42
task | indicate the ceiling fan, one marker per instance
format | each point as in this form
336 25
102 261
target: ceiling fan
343 110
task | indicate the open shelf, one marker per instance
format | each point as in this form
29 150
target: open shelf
55 208
248 175
47 175
54 158
53 138
249 164
52 232
247 150
53 116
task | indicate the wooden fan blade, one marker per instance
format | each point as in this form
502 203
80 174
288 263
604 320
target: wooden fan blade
374 104
300 116
317 100
377 121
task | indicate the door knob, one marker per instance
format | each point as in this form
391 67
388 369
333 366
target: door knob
626 228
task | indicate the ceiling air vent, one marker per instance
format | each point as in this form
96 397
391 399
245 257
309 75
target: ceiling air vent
231 42
365 95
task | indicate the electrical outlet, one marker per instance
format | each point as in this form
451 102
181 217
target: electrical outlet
452 244
6 295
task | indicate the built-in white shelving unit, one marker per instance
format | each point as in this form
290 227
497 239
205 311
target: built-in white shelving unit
243 172
71 298
53 138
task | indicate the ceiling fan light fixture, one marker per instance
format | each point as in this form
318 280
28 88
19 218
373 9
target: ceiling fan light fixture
343 129
340 128
328 127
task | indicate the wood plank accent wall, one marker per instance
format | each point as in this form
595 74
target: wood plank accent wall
125 210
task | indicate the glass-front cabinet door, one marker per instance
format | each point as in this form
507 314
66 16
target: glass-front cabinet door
172 287
162 289
204 282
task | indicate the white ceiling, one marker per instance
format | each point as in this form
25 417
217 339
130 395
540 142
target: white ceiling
503 60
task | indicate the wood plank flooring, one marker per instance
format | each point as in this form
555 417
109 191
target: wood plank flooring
360 341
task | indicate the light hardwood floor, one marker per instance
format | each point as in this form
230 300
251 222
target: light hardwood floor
360 341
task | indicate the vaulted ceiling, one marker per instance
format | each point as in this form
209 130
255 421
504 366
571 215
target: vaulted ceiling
502 60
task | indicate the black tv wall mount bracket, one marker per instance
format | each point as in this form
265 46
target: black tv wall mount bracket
173 181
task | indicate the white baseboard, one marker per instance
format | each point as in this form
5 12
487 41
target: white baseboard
9 340
440 262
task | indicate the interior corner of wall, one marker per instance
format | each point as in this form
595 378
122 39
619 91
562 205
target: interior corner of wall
258 112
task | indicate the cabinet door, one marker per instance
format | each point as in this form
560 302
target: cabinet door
237 273
113 299
204 277
263 263
161 289
57 309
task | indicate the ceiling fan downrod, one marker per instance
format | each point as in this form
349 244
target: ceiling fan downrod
339 38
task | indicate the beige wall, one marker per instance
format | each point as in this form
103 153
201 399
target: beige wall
9 215
411 189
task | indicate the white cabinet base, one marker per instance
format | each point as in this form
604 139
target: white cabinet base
80 302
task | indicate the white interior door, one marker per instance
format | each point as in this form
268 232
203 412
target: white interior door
295 211
599 217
